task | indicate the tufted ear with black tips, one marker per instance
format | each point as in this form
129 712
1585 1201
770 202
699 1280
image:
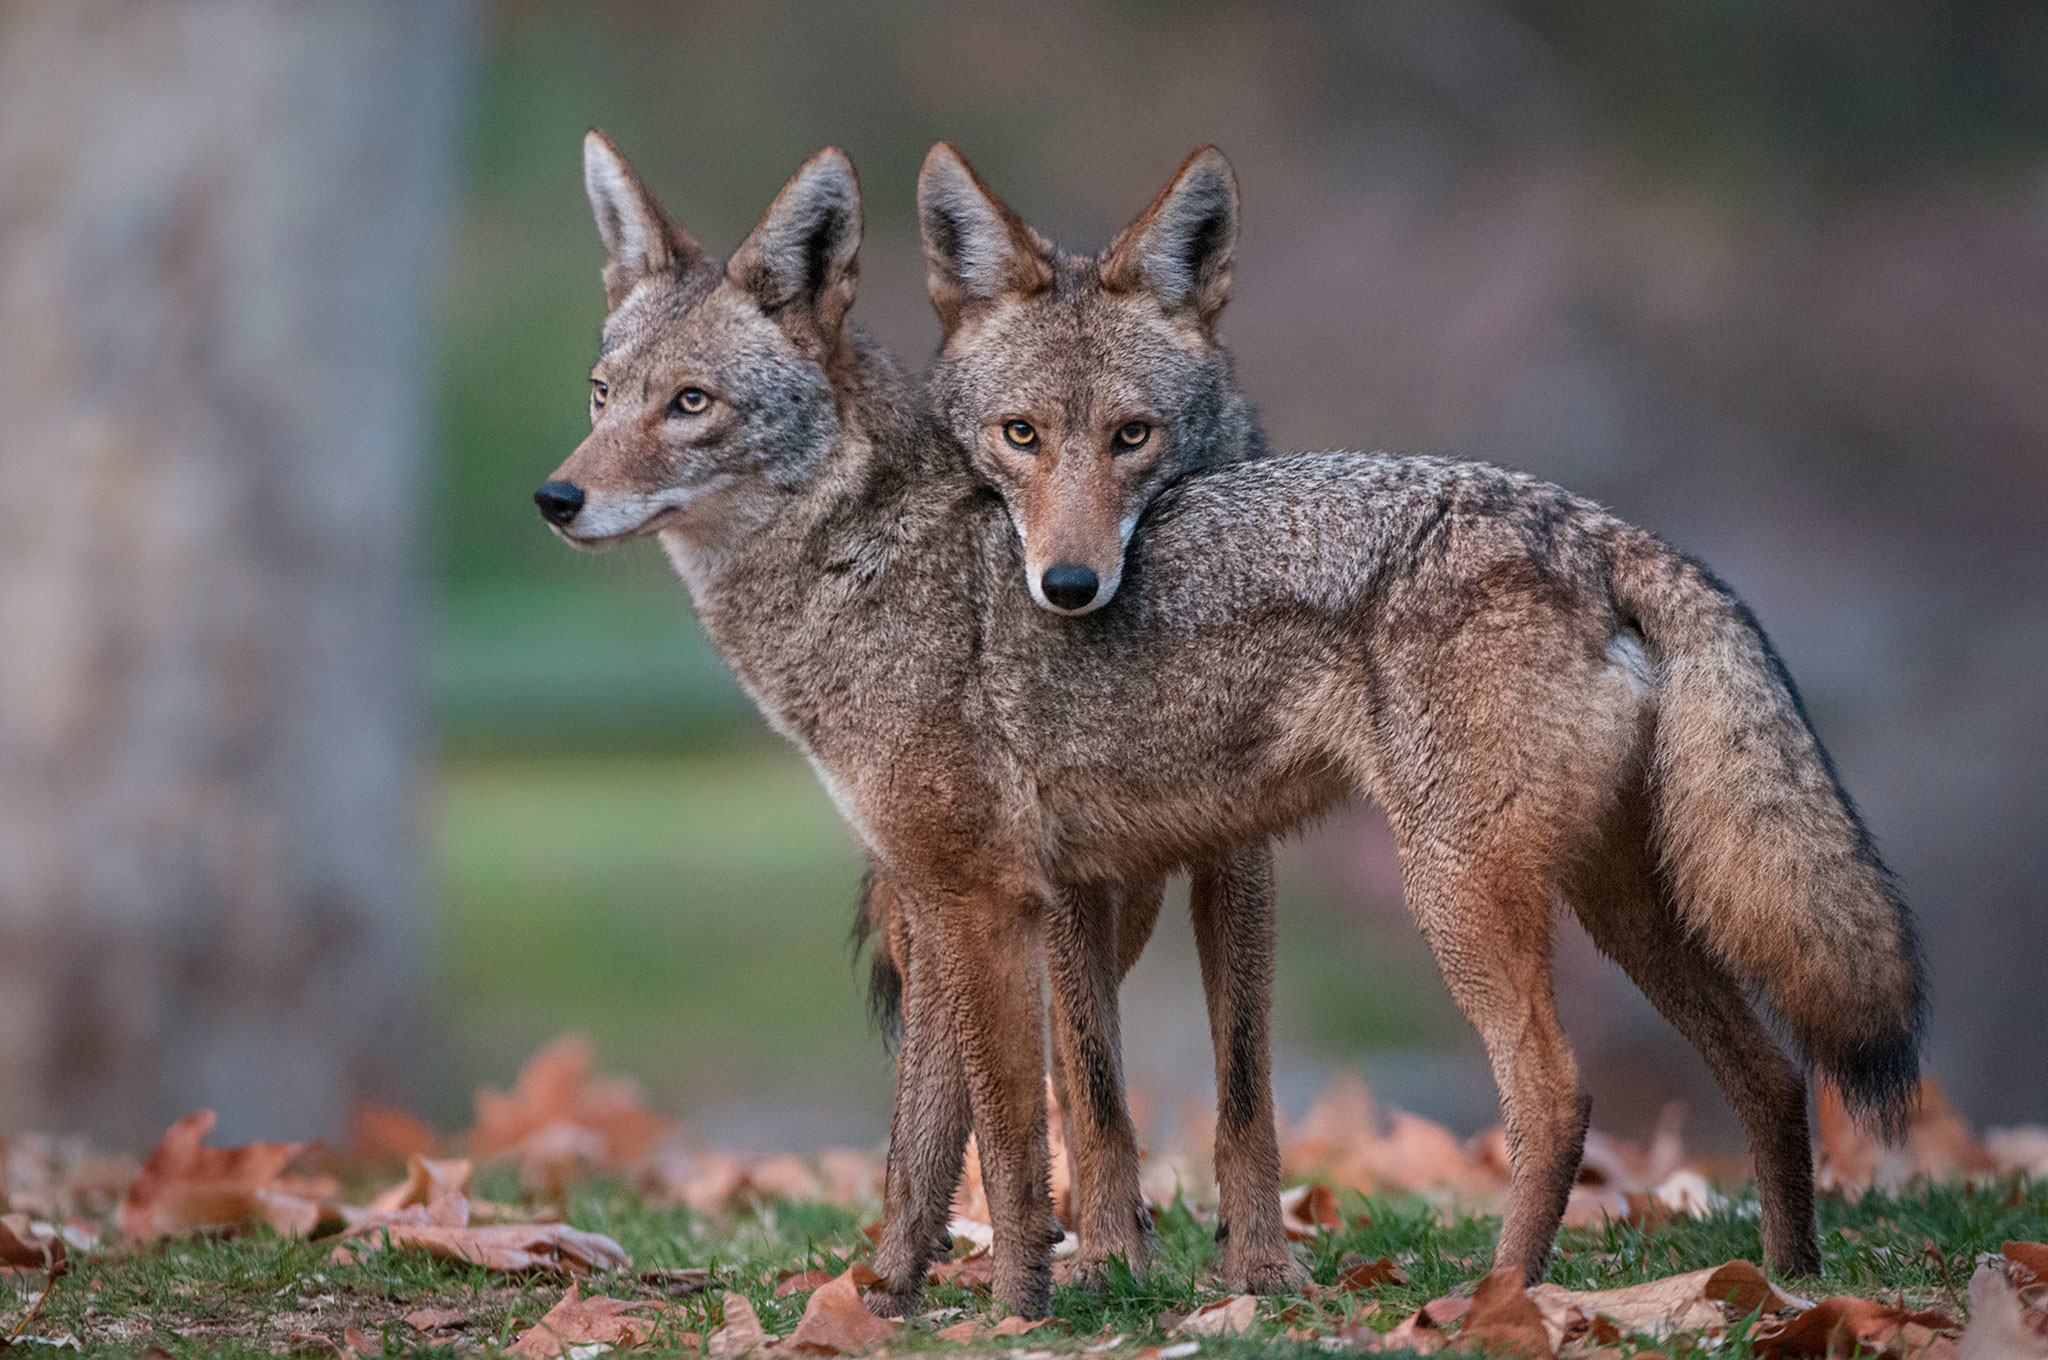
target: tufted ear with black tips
802 263
1182 248
976 249
640 238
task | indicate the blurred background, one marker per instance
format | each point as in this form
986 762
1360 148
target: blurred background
326 774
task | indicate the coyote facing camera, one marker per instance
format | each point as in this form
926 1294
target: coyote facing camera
1549 703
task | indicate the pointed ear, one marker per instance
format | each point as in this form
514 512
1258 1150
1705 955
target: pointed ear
802 263
638 235
975 248
1182 247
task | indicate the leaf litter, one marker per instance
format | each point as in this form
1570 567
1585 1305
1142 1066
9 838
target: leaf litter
562 1124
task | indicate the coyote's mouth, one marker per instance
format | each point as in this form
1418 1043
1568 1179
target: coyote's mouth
598 542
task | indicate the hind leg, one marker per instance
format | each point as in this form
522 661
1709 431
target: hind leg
1231 901
1488 921
1617 897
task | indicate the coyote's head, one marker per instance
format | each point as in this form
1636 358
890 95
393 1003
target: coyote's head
711 395
1082 385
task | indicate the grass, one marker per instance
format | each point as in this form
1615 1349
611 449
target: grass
255 1295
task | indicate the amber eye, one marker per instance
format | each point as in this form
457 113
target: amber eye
599 390
1133 434
691 401
1020 434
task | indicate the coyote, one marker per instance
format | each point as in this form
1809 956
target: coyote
1076 493
1548 702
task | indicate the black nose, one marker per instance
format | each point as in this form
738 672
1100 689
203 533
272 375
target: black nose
1069 585
559 501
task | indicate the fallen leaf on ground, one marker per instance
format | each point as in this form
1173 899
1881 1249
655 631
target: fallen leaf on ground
379 1134
798 1282
2032 1255
558 1116
1370 1274
1845 1323
427 1179
183 1186
424 1320
1224 1317
1309 1209
1504 1318
835 1321
578 1321
1999 1326
1698 1300
975 1270
510 1247
23 1249
739 1333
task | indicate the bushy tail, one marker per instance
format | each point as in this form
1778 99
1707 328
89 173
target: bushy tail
885 983
1761 847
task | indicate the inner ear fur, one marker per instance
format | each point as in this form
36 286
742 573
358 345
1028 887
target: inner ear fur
976 249
802 263
1184 246
640 238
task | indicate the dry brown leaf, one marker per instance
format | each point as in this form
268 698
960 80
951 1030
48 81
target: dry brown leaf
379 1135
970 1330
1307 1210
510 1247
2032 1255
424 1320
835 1321
740 1333
975 1270
1017 1326
1504 1318
1699 1300
1839 1325
801 1282
1999 1328
427 1179
1370 1274
183 1187
577 1321
1224 1317
23 1249
558 1117
1417 1332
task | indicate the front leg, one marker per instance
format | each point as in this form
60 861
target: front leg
1082 952
1231 901
987 962
928 1131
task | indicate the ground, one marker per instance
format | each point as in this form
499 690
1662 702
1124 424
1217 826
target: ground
262 1294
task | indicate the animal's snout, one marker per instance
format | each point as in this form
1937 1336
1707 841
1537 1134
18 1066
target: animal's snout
1069 585
559 501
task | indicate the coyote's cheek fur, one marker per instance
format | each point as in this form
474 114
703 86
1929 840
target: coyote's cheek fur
703 428
1079 437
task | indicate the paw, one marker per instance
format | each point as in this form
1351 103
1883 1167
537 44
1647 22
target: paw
885 1302
1027 1293
1268 1275
1090 1270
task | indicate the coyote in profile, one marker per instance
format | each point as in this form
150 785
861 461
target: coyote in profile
1550 704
